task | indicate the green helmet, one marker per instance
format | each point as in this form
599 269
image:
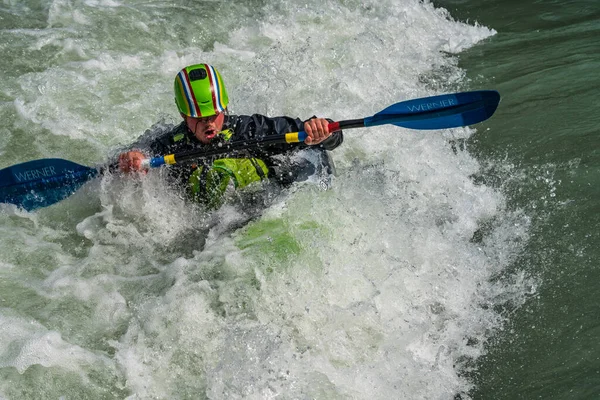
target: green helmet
200 92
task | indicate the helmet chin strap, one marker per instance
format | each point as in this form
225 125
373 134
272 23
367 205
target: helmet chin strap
196 128
195 131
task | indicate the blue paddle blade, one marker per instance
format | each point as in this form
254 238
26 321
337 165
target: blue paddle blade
40 183
439 112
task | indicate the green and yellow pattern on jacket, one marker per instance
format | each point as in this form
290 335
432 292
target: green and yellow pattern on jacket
209 186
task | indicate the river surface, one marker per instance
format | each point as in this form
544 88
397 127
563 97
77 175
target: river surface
438 264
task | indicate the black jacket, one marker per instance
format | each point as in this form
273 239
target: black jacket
179 138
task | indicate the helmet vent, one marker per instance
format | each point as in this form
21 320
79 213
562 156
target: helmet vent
197 74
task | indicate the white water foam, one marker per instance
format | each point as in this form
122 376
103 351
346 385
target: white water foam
374 288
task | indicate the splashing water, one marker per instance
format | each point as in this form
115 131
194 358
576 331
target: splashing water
382 286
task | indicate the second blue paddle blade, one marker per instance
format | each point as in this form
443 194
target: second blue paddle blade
440 112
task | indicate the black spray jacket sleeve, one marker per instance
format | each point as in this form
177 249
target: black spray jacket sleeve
247 127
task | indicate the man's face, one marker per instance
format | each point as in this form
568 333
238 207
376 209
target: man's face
206 128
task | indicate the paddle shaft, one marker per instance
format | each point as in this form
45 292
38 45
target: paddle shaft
290 138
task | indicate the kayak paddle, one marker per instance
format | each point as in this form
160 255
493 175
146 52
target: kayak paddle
40 183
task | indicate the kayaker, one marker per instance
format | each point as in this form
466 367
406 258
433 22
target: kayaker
202 101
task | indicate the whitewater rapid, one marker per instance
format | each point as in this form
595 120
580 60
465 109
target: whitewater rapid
381 286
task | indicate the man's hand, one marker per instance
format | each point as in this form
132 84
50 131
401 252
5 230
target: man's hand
317 130
131 161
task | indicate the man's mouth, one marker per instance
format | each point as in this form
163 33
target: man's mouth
211 133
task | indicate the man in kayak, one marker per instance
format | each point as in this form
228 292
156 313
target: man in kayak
202 101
